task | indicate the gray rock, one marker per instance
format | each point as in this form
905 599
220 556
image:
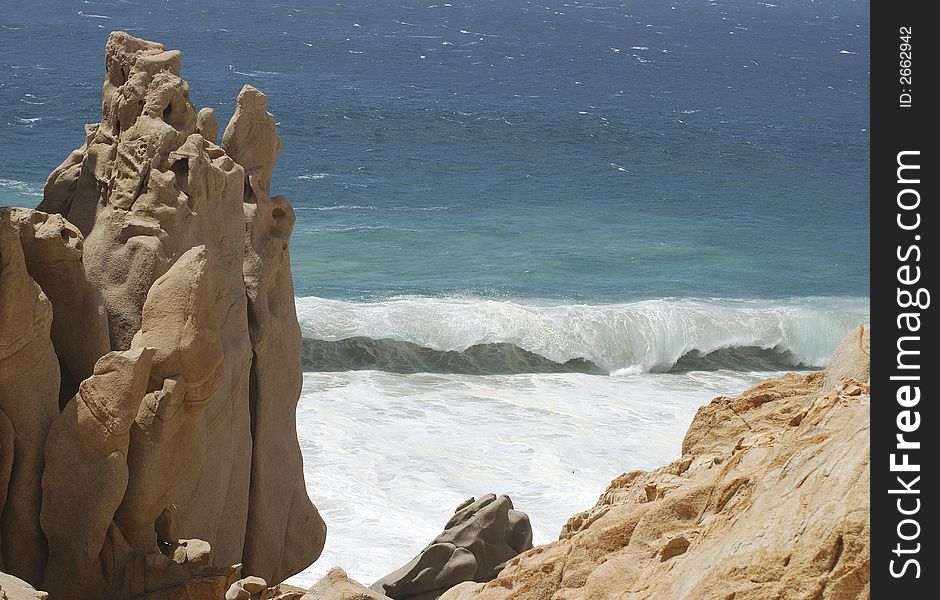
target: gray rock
477 541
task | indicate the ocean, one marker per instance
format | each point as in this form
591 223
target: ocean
532 237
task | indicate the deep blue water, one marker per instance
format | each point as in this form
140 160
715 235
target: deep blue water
595 151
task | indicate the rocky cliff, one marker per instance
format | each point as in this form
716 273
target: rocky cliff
150 353
770 499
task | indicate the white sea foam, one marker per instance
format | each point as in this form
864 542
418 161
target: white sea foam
337 207
91 16
387 457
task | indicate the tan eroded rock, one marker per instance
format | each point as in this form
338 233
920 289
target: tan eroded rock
168 438
852 359
53 250
137 187
284 532
250 138
86 474
189 256
207 125
206 587
29 392
336 585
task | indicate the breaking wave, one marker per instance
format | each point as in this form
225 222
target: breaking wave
485 336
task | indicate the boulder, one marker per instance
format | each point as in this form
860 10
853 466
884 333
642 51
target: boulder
336 585
477 541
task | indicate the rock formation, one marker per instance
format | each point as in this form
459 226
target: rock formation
336 585
770 499
150 354
53 248
251 139
852 358
13 588
29 392
477 541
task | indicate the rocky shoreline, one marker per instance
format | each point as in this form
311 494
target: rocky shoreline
150 367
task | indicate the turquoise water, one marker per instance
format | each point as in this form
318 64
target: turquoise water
532 237
597 151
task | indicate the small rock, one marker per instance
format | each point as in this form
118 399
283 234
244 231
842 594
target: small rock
245 588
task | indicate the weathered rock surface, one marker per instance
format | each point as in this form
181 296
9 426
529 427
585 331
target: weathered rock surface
13 588
29 402
86 450
53 248
149 374
852 359
477 541
770 499
274 534
150 354
336 585
255 588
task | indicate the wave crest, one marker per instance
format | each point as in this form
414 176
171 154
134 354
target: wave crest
474 335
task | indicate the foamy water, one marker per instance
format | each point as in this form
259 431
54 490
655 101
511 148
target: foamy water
388 454
387 457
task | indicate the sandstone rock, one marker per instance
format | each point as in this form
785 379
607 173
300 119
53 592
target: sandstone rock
207 587
12 588
244 589
284 532
481 536
172 317
251 138
851 359
284 591
336 585
255 588
86 474
770 499
196 194
206 125
53 250
141 186
29 391
169 435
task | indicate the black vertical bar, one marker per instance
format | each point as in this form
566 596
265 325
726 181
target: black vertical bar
903 170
